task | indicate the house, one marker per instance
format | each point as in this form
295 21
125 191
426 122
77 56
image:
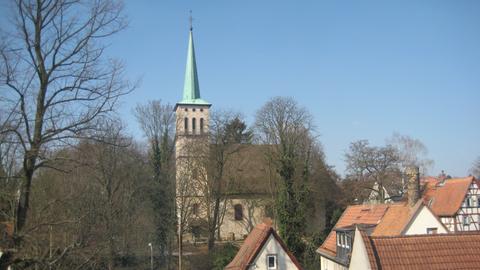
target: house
263 249
455 201
406 218
435 251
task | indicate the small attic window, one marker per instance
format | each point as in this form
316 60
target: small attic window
272 261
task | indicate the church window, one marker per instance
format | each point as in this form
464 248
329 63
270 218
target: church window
201 125
195 208
185 122
186 109
193 109
238 209
194 124
201 110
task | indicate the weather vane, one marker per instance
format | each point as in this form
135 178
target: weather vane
191 21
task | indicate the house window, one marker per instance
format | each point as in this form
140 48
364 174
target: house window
195 208
185 123
201 125
272 261
432 230
194 124
469 203
238 209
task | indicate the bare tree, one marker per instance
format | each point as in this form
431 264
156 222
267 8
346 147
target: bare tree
56 82
189 178
228 134
411 151
476 168
288 127
369 165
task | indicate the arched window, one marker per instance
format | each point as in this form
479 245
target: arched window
195 208
185 123
194 124
238 211
201 125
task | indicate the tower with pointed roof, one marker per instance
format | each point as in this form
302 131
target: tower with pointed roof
192 111
192 118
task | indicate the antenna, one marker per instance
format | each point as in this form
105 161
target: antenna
191 20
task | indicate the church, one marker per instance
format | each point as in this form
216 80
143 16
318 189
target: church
238 198
247 198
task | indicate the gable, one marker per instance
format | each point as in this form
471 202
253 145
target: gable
273 247
360 253
424 219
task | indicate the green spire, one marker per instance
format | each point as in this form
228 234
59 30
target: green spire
191 88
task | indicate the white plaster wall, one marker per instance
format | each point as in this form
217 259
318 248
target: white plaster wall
359 259
273 247
425 219
327 264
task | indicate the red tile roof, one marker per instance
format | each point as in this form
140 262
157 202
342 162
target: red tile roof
354 214
441 251
253 244
447 198
396 219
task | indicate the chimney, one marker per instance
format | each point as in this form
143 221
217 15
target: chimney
413 187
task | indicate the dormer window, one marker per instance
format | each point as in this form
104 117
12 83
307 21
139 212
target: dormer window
344 245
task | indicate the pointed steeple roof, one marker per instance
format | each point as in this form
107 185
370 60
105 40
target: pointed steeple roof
191 88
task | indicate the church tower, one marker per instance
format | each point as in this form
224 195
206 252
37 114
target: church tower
192 111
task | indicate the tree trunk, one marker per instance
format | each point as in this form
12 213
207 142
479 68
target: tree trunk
180 250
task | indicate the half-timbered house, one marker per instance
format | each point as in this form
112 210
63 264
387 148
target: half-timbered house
455 201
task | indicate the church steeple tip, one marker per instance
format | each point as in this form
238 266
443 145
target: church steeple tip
191 88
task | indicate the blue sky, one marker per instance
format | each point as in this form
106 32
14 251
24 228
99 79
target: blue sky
364 69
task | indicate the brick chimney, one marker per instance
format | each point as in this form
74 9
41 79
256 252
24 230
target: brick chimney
413 186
